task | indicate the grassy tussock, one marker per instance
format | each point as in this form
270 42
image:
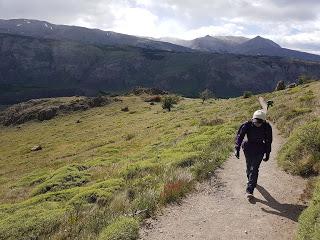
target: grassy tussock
123 228
64 178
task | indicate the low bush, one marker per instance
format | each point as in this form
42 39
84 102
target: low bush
247 94
122 228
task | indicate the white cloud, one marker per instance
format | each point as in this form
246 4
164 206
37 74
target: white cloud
292 23
222 30
136 21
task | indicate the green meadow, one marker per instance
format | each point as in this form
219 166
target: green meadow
102 171
111 166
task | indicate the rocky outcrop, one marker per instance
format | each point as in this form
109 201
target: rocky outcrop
46 109
149 91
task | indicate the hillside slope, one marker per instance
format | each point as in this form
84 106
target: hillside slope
35 68
99 165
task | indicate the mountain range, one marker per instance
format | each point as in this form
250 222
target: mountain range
39 59
242 45
46 30
216 44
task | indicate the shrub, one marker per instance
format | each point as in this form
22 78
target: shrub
205 95
122 228
178 184
303 79
168 103
247 94
125 109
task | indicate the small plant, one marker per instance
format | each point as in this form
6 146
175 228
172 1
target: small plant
125 109
303 79
174 191
247 94
280 86
179 182
129 136
205 95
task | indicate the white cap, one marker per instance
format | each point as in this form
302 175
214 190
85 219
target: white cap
260 114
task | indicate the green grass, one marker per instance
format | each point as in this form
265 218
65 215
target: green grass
301 153
296 113
309 221
110 164
89 175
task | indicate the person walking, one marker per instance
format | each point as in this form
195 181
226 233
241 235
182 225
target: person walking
256 147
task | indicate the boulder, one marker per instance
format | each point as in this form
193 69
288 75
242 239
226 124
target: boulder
47 114
36 148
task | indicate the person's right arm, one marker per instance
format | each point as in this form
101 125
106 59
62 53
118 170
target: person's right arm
239 138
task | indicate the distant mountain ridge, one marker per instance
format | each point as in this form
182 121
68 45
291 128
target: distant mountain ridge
215 44
46 30
242 45
35 68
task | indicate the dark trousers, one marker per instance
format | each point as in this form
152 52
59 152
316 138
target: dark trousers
253 163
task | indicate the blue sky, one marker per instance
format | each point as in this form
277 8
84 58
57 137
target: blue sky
291 23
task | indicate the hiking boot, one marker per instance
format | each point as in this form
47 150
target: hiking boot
249 195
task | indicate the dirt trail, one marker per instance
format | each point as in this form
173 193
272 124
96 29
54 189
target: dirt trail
220 210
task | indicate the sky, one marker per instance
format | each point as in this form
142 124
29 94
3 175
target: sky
293 24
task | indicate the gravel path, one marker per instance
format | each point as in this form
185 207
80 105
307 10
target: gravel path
220 210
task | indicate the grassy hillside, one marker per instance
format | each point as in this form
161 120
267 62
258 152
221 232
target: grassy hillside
297 115
103 170
110 164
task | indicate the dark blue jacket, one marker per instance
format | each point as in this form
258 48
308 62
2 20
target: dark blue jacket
258 140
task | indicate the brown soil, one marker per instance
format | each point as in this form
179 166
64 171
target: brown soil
220 210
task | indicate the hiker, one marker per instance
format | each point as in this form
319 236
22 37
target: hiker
257 144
